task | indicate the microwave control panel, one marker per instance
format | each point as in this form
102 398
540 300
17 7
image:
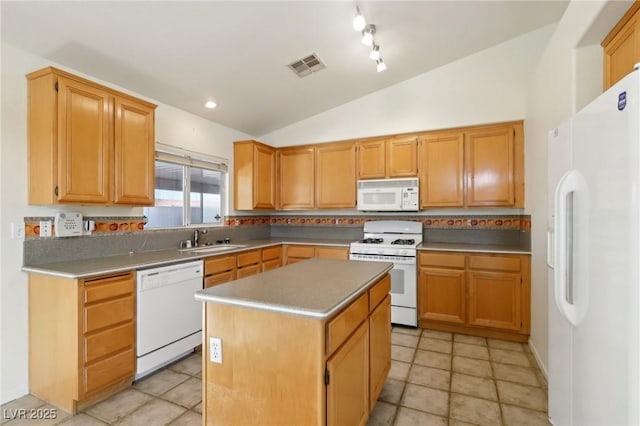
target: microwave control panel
410 198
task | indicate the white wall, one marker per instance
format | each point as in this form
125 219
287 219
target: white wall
486 87
173 127
568 76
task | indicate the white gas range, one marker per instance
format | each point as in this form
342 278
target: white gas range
394 241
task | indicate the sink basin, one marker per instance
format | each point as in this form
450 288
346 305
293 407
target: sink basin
214 249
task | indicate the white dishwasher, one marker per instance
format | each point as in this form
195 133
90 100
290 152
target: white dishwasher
169 320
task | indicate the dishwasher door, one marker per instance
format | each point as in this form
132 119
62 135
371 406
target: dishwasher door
169 319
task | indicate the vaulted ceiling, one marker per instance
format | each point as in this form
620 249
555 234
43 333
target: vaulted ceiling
236 53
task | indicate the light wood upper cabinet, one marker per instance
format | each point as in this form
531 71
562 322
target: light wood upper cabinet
371 159
87 143
388 158
254 176
402 157
84 143
479 166
335 182
622 47
490 167
134 151
296 178
442 170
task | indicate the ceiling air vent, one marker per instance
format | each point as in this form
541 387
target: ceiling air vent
307 65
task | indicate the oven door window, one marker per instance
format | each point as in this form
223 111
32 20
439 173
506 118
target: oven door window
397 281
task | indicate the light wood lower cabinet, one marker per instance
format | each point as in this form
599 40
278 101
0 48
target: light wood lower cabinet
271 258
81 338
219 270
334 378
348 388
296 253
249 263
379 346
443 294
481 294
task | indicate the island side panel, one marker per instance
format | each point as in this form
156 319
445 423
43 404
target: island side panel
272 370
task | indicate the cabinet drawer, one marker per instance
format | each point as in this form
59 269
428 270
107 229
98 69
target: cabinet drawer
248 271
105 288
268 265
341 327
248 258
452 260
109 341
220 278
214 265
108 313
378 292
304 252
333 252
109 370
495 263
271 253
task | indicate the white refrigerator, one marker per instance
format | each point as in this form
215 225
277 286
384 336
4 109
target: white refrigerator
594 262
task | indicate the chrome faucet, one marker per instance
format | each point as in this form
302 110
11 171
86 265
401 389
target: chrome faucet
196 235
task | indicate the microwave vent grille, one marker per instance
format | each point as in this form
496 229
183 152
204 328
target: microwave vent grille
387 183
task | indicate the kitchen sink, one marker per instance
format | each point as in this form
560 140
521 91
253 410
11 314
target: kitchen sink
214 249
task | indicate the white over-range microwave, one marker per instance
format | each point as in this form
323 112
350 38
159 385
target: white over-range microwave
391 195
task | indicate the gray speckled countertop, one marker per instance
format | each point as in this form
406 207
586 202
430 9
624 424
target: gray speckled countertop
472 248
147 259
315 288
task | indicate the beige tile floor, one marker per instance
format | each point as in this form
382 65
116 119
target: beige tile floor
436 378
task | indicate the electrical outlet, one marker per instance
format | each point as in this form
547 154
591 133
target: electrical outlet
45 228
215 350
17 230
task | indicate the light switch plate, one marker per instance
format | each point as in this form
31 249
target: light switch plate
215 350
17 230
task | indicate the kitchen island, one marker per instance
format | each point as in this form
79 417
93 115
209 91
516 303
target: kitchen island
306 344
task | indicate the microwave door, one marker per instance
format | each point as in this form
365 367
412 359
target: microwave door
380 199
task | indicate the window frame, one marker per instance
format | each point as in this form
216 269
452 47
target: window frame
189 160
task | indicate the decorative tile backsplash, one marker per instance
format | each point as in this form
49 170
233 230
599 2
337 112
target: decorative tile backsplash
119 224
507 222
103 225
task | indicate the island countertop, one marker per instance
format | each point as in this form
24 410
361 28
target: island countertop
316 287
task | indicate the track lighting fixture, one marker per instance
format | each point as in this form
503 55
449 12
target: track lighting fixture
358 21
375 52
367 34
368 31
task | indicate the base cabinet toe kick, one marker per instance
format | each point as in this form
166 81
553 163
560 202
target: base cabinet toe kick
268 367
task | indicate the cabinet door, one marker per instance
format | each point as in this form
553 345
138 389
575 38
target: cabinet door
264 173
296 178
442 170
336 176
84 142
348 388
402 157
371 159
332 252
494 299
219 278
490 167
380 349
622 52
134 150
442 295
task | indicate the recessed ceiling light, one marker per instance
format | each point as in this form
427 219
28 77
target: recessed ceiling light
210 104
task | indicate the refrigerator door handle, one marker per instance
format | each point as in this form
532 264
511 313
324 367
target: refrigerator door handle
570 294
